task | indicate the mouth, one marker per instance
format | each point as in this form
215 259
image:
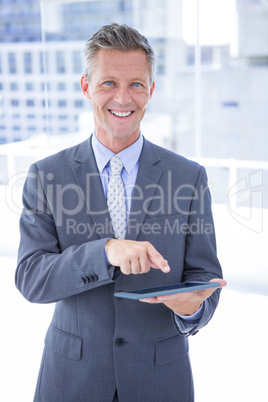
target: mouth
121 115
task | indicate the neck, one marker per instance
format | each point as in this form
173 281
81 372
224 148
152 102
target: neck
115 144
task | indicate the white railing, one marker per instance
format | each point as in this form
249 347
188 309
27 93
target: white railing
11 153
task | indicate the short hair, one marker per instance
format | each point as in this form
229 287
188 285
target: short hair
117 37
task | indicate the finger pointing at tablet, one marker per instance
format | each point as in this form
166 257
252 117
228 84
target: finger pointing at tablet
134 257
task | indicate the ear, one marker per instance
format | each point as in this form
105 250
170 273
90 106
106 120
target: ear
152 89
85 87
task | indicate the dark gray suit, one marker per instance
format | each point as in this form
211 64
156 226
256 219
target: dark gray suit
96 342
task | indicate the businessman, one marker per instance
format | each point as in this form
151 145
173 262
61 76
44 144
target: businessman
117 213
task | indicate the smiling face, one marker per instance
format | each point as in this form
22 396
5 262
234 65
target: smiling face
120 91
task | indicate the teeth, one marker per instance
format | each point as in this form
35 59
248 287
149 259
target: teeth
121 114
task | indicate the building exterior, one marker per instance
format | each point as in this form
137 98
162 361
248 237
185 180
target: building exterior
41 61
40 70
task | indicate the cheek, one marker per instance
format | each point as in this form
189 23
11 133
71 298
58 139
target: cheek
143 99
101 99
143 106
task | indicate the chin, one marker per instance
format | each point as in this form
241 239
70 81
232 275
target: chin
121 135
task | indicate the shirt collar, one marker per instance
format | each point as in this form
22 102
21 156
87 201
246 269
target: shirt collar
128 156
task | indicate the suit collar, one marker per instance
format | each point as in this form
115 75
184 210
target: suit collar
84 151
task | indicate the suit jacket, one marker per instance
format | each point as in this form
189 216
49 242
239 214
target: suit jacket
98 343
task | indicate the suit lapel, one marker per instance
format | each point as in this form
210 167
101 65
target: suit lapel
146 184
88 179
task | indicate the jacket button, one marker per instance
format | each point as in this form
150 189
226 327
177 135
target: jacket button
119 342
95 277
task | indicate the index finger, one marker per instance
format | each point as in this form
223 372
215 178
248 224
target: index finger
157 261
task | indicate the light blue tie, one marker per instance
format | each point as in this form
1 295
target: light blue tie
116 198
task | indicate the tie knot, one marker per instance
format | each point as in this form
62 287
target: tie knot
116 165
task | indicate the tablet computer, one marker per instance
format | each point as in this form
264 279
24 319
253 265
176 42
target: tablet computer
166 290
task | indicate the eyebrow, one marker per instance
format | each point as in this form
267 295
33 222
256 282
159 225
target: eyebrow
112 78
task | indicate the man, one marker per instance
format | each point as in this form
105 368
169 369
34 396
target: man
73 252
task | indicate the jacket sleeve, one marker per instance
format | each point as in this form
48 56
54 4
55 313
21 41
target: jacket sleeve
44 274
201 262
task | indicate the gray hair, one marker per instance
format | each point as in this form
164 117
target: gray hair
117 37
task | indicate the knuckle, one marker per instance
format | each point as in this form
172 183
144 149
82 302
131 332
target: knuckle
147 268
125 271
146 243
124 259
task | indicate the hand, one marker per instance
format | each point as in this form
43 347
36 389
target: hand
134 257
185 303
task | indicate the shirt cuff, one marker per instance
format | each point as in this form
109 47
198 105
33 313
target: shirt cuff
194 318
107 261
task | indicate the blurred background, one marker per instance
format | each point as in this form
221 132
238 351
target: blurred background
210 104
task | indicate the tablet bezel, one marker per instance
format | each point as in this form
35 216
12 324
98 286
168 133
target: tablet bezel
173 288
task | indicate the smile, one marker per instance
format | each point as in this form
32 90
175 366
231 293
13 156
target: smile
120 114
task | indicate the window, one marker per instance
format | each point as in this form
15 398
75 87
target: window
29 86
27 63
61 86
13 86
14 102
45 85
62 103
77 62
60 62
30 102
43 102
77 86
78 103
41 63
12 63
63 129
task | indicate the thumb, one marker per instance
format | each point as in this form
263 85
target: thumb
222 282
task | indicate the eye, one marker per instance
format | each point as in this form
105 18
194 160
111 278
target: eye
110 83
137 84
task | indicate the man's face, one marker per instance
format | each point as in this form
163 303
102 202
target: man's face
120 91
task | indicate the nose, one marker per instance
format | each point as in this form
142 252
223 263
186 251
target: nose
122 95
